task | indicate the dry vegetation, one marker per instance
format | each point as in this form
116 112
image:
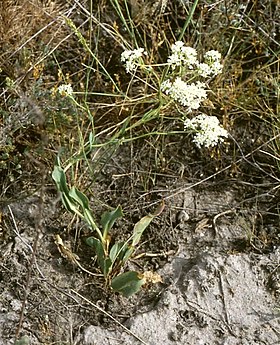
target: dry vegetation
45 43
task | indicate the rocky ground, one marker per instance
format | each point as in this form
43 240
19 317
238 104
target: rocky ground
220 280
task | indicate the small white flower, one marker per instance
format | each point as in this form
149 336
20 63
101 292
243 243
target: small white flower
166 86
131 57
212 55
189 95
216 68
212 59
207 129
65 90
204 70
182 55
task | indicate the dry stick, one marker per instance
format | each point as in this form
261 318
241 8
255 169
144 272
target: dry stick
97 22
73 258
34 262
38 227
20 79
225 304
214 222
192 185
61 290
110 316
16 231
244 157
67 13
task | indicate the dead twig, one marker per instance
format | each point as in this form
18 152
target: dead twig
72 257
227 321
110 316
214 222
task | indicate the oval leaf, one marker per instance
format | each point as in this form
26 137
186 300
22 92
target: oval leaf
94 242
115 250
139 228
143 223
127 283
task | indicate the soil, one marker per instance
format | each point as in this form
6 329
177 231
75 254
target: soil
216 244
219 259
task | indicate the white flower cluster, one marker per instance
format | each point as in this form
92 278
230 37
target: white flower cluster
189 95
207 129
182 55
212 55
204 70
187 56
185 87
65 90
213 58
130 58
212 65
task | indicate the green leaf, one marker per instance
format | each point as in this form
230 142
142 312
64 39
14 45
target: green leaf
139 228
67 203
97 245
90 220
73 200
59 177
93 242
108 218
107 266
79 197
104 262
23 341
127 254
127 283
70 204
121 251
143 223
115 251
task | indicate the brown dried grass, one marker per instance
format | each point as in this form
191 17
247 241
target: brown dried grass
25 28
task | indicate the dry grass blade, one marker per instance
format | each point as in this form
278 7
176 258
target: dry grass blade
110 316
126 133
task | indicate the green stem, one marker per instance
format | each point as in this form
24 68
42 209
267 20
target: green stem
91 222
187 22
